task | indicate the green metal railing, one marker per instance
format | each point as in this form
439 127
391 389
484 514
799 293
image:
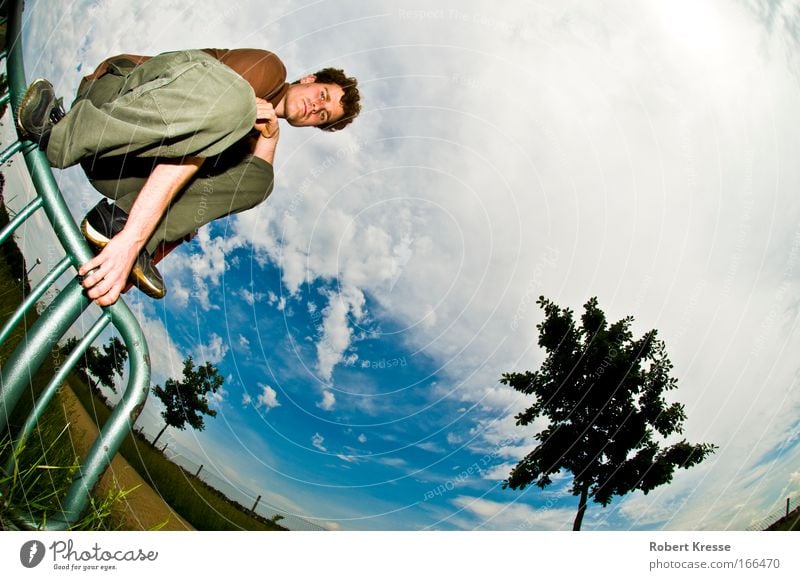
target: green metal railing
60 314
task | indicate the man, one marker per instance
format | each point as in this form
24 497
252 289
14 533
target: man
177 140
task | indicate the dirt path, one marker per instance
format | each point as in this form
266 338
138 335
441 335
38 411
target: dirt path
143 508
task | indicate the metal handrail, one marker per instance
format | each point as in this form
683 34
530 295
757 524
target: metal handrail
62 312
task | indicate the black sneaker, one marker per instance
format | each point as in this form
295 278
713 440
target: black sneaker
39 111
104 222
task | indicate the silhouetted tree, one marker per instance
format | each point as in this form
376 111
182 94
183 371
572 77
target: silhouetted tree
186 401
9 251
103 364
602 394
3 80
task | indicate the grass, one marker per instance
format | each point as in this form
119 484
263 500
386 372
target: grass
789 523
41 475
198 503
43 469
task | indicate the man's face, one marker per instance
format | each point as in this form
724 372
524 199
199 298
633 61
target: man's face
309 103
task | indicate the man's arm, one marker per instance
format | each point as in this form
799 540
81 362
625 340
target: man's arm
107 273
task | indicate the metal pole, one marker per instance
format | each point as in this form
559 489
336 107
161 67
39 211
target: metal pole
65 309
51 388
30 301
258 499
199 469
41 338
11 150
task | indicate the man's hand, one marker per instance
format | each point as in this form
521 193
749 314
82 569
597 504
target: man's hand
269 131
106 275
266 120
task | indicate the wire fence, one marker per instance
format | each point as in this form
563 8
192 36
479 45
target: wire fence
776 515
247 498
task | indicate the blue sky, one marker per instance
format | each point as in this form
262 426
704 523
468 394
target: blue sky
643 153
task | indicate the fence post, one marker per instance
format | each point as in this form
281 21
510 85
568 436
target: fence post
199 469
258 499
787 507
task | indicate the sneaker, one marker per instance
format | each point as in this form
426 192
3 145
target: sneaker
103 223
39 111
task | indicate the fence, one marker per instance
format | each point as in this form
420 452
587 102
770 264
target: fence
61 312
774 516
246 497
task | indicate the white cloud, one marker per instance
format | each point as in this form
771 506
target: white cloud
246 399
178 292
454 439
328 401
494 515
396 462
430 446
317 441
165 356
218 397
207 262
498 472
362 438
267 398
336 331
213 352
244 342
251 297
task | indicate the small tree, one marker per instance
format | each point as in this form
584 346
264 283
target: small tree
103 364
186 401
110 363
602 393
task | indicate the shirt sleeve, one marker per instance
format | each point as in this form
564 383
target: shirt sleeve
263 70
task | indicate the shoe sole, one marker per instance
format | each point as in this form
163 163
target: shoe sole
26 99
99 241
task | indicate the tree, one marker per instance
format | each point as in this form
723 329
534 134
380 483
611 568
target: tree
602 393
103 364
186 401
109 363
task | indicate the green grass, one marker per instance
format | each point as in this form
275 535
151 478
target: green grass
40 477
198 503
44 467
790 523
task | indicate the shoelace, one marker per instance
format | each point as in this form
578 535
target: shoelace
57 112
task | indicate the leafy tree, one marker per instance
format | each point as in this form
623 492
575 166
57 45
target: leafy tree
3 82
103 364
186 401
602 393
109 363
10 253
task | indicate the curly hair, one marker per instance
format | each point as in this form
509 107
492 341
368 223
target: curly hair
351 100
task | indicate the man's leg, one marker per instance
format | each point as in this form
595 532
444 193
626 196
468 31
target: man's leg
213 196
174 105
214 193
